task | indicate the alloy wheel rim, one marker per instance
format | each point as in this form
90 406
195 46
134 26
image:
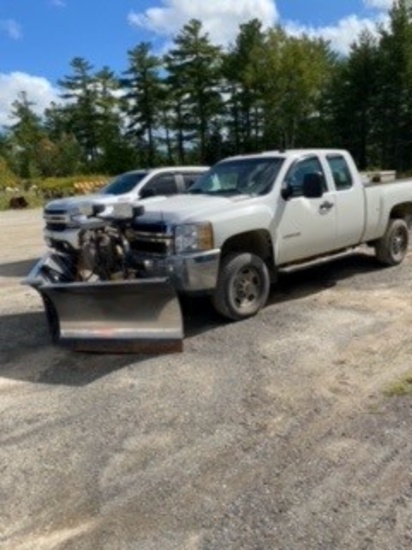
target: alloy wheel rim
247 287
399 242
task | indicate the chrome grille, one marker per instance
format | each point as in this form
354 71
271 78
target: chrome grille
152 238
56 226
56 220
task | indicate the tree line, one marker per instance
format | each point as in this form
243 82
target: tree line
199 103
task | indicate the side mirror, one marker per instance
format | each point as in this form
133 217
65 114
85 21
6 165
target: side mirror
312 187
286 191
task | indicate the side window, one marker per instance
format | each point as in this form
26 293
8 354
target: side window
165 184
189 179
340 172
299 170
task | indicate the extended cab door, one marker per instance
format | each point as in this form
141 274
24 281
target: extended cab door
350 201
306 227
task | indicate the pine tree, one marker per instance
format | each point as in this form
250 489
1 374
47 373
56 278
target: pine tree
194 77
243 103
25 135
81 91
143 88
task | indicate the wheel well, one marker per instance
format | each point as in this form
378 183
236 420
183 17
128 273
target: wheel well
402 211
257 242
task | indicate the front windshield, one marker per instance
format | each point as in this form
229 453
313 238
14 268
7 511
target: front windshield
251 176
123 183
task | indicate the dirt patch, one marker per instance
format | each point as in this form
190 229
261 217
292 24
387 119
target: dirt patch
271 433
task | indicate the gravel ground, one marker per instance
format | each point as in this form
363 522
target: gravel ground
273 433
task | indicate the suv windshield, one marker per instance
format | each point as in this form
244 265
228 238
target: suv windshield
253 176
123 183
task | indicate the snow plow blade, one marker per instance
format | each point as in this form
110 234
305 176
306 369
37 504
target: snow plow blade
137 316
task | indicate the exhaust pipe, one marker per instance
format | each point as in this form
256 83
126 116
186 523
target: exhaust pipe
136 316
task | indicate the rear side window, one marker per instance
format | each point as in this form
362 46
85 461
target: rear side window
165 184
340 172
299 170
189 179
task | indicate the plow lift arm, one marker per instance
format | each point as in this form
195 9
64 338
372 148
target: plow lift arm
107 316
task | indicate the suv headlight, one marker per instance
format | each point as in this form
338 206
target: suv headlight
193 237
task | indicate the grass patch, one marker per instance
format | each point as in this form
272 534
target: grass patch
34 200
401 387
73 185
39 192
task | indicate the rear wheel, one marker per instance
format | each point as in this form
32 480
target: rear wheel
392 247
243 286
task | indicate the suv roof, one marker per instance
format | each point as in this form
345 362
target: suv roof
162 169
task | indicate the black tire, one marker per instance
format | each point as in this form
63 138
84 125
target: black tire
243 286
392 247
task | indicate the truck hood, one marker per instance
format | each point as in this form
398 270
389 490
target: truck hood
191 208
71 203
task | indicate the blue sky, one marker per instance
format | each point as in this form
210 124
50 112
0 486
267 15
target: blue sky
38 38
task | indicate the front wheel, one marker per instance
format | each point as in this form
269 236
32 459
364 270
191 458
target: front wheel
392 247
243 286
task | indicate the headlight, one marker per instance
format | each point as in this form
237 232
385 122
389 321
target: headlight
83 209
193 237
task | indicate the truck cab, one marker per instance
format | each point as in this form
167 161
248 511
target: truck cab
313 225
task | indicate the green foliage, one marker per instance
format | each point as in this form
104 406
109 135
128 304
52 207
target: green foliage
194 68
143 99
26 132
290 74
371 103
33 199
353 92
67 186
200 103
81 91
7 177
243 105
400 387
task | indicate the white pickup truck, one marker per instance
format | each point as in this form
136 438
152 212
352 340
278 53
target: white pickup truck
63 216
250 216
228 236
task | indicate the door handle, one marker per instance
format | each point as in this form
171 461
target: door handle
325 206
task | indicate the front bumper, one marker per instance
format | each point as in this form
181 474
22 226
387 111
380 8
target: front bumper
188 273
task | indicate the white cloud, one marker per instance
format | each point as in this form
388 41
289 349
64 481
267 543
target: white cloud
39 91
378 4
11 28
221 19
341 35
58 3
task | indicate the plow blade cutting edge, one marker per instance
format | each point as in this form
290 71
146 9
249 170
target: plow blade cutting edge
138 316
